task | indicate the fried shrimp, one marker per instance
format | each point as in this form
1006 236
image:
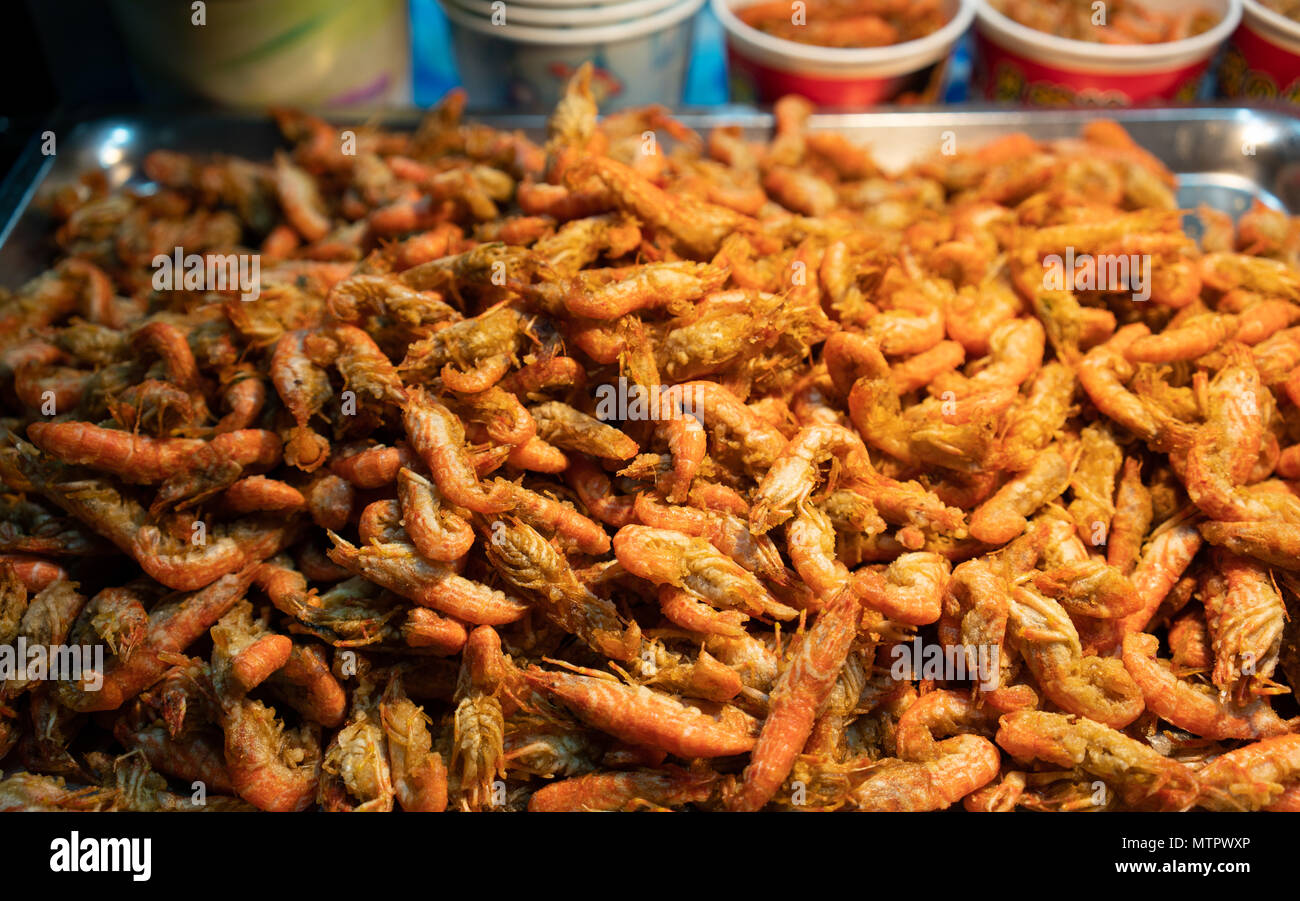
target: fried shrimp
642 469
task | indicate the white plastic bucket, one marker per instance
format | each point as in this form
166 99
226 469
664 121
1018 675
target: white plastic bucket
564 4
525 67
569 17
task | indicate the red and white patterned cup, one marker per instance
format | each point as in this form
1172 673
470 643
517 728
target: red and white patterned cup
1020 64
1263 57
764 68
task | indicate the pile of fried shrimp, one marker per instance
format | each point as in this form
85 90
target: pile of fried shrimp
645 469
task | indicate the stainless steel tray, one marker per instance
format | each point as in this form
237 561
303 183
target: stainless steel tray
1224 156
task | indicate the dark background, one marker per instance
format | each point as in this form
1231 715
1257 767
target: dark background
56 54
